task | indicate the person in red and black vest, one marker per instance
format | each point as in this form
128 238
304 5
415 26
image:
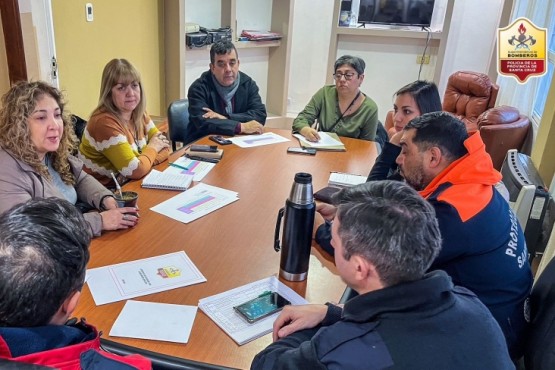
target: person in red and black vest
44 250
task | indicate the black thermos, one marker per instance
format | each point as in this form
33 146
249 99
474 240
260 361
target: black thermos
298 223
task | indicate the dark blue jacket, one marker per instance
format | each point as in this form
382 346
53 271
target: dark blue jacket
385 166
247 106
484 248
421 325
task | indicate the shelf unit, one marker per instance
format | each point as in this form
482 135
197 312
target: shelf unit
278 51
365 35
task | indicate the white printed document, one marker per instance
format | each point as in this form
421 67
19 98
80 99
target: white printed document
186 166
141 277
196 202
250 141
345 179
155 321
219 308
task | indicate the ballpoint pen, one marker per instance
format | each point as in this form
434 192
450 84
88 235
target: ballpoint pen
195 158
179 166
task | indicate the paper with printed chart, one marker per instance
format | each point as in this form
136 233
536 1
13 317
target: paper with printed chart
141 277
198 169
219 308
196 202
250 141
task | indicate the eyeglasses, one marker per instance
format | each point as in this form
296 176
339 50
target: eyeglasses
348 76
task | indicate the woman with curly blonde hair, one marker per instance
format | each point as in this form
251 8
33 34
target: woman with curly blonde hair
36 142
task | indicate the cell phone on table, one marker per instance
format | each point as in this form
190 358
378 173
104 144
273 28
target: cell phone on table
262 306
204 148
219 139
301 150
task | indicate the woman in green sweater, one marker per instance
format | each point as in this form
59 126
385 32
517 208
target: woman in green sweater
341 108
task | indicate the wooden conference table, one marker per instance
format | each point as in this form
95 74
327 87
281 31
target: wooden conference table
232 246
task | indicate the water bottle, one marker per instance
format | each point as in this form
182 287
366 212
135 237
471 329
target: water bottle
298 222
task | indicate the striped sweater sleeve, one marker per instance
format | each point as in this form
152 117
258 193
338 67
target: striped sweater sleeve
107 146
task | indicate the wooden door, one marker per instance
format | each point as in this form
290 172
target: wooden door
13 38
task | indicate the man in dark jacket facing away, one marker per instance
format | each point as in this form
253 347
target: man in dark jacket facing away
223 100
44 250
385 237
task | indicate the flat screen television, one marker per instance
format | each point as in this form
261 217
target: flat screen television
396 12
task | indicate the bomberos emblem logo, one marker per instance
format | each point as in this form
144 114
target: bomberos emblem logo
169 272
522 50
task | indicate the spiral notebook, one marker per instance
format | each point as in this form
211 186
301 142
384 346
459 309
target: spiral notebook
162 180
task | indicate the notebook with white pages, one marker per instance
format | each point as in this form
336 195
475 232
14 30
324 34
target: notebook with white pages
168 181
341 179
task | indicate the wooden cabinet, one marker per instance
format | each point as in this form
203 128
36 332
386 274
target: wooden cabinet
233 14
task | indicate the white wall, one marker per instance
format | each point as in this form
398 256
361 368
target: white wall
390 62
309 51
38 38
472 37
245 11
206 13
253 62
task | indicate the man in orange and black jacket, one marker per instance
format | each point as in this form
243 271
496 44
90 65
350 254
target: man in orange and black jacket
483 246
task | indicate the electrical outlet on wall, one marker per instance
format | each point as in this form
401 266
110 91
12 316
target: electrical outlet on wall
422 60
89 12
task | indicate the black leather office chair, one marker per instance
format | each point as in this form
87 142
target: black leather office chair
178 120
78 125
540 345
159 361
381 136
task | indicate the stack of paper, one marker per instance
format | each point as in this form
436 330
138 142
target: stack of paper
255 35
328 141
219 308
196 202
186 166
340 179
168 181
218 154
